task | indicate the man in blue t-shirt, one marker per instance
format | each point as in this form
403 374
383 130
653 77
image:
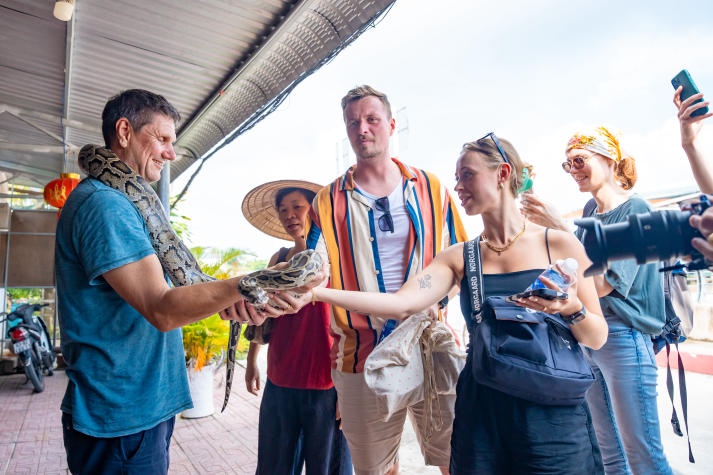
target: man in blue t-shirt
120 320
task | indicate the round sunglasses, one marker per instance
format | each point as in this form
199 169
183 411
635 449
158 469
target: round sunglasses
577 163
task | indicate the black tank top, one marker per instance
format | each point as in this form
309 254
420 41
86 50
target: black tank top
499 284
496 284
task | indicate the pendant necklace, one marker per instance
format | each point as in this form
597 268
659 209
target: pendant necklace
511 241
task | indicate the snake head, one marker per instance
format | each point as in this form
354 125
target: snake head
251 290
300 270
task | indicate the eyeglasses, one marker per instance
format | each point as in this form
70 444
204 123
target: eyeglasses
386 222
497 144
577 163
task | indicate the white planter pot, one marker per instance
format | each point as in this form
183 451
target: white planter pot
201 385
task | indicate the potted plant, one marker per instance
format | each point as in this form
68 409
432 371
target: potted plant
205 342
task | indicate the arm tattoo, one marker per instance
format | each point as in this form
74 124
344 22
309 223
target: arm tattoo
424 282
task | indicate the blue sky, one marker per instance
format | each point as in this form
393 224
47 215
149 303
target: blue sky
531 71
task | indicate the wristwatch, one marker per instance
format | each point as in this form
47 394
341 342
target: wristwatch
576 317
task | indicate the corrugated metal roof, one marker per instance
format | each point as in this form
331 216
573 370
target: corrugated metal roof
223 63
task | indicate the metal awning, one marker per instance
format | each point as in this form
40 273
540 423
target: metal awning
224 64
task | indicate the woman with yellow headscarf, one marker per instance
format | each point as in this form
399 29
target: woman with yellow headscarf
623 399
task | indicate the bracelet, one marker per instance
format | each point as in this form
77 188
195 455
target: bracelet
311 289
576 317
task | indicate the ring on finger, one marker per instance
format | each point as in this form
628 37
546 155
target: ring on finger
710 239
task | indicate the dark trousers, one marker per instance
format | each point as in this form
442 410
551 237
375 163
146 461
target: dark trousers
143 453
299 425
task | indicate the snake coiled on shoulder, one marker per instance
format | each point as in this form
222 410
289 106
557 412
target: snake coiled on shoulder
176 259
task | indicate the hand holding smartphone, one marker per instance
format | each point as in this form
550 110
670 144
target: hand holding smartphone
689 88
549 294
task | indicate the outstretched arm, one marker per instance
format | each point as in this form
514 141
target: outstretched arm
690 127
418 293
143 286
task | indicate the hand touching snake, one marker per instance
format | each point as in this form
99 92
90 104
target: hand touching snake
177 261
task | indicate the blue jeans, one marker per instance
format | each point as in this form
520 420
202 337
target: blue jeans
299 425
143 453
623 403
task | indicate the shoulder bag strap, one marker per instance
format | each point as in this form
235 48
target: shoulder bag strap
589 208
474 274
282 256
588 211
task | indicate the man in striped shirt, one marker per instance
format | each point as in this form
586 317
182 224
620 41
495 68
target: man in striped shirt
378 224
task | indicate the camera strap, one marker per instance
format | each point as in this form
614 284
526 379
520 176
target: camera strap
684 396
672 333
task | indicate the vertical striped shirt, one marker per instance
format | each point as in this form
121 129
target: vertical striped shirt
344 230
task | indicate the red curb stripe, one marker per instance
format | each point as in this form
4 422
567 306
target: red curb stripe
693 362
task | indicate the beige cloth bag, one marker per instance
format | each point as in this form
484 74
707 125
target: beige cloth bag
418 361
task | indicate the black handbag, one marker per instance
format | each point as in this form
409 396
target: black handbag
259 334
524 353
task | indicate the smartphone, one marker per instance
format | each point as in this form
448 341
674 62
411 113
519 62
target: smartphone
689 88
549 294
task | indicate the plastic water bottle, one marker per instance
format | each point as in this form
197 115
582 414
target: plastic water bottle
563 273
388 328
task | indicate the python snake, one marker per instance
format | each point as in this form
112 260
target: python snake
176 260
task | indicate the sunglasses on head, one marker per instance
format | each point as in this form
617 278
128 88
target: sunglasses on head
497 144
577 163
386 222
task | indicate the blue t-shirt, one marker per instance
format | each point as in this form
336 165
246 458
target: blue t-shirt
638 297
124 375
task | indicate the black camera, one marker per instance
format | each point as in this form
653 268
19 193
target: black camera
646 237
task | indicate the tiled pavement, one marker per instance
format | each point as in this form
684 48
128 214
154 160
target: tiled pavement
226 443
31 445
31 432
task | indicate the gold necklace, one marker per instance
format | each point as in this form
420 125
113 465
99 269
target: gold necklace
511 241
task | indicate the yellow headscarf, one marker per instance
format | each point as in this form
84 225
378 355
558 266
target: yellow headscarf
600 140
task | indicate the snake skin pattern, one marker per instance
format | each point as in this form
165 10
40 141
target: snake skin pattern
303 267
176 260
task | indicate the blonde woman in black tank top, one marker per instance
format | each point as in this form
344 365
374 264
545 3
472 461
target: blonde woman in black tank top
494 432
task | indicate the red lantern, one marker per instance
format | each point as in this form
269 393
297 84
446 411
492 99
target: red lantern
57 191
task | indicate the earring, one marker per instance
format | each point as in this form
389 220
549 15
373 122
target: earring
500 185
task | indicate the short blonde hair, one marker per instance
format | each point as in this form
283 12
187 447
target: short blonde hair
363 91
487 148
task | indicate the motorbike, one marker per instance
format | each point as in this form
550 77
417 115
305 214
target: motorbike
30 340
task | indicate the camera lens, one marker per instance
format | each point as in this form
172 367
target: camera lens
647 237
